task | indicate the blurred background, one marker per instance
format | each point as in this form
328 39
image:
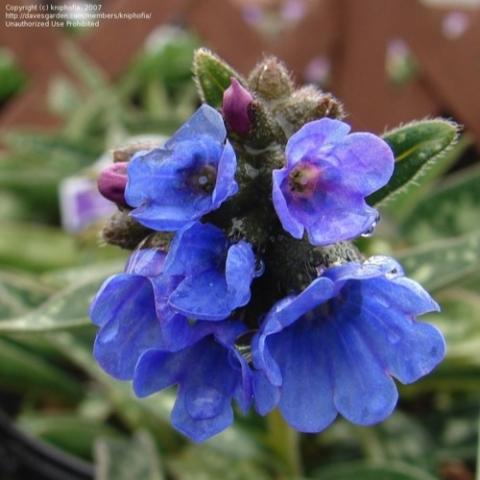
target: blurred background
68 96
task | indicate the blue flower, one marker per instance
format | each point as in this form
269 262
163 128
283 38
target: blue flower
216 274
334 347
132 312
328 174
209 373
203 277
193 174
142 338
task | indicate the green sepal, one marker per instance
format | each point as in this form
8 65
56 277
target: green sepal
212 76
416 147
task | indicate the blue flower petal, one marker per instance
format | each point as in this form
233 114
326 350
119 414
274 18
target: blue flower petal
157 369
200 429
205 121
363 392
203 297
410 297
265 394
208 377
195 248
131 329
378 266
244 390
306 401
226 186
112 297
163 219
142 175
147 262
319 291
343 221
366 162
239 272
407 348
289 223
314 135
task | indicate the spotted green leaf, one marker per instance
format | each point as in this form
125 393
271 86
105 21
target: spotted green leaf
19 293
363 471
451 209
442 263
416 147
118 459
66 309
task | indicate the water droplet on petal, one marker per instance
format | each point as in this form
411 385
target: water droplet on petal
259 268
369 232
392 274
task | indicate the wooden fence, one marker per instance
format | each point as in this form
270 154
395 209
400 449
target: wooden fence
352 34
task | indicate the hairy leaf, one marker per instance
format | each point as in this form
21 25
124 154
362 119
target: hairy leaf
416 147
212 76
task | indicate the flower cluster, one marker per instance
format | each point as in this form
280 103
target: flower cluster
227 298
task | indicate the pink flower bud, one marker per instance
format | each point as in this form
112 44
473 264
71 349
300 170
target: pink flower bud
112 182
235 108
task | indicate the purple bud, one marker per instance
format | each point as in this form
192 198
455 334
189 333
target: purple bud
235 108
112 182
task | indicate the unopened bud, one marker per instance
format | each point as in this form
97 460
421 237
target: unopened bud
305 105
112 182
271 79
236 107
125 154
124 231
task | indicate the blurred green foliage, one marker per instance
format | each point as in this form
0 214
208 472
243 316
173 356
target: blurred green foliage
48 279
12 78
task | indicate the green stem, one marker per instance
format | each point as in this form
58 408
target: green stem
285 442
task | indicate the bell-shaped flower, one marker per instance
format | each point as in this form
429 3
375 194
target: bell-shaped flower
209 373
203 277
216 273
335 347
